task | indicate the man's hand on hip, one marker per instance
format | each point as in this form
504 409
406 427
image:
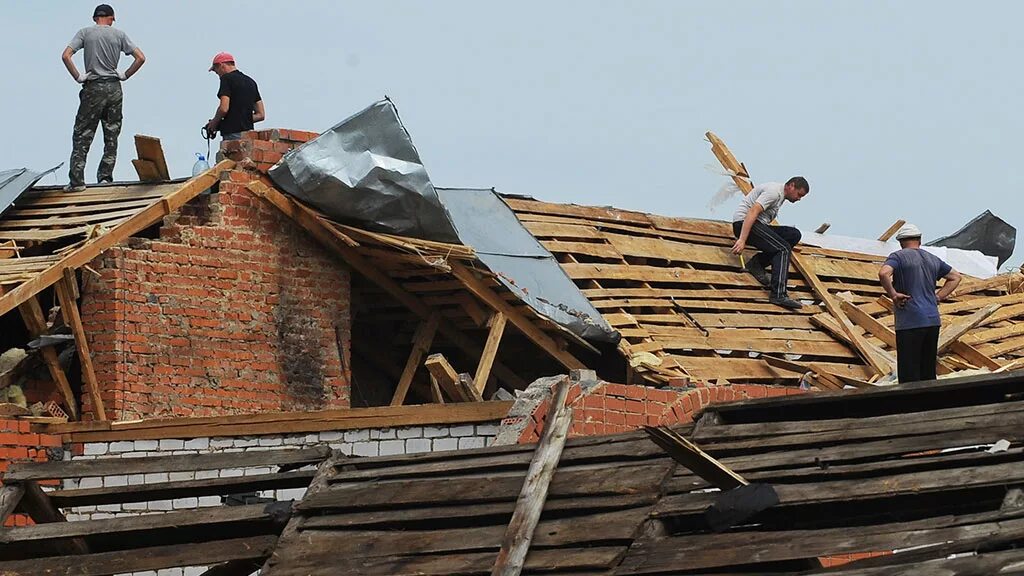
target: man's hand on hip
83 77
121 76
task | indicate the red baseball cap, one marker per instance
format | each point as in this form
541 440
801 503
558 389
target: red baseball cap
221 58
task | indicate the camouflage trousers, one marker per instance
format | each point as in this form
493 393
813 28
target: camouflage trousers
99 101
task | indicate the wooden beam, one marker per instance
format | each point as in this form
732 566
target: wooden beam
38 506
516 543
521 322
821 229
974 356
880 365
483 369
97 245
694 459
10 497
892 230
446 376
310 221
421 342
69 310
721 151
954 331
148 559
35 322
868 322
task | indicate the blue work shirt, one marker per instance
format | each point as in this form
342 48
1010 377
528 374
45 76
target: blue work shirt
915 273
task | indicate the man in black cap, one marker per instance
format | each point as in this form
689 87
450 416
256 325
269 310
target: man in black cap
100 98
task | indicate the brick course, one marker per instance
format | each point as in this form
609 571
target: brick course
609 408
231 309
18 442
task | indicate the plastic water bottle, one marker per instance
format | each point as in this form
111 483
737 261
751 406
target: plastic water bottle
201 165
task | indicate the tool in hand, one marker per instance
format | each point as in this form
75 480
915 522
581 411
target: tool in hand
208 135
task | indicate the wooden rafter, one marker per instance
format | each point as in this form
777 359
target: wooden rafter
483 370
421 342
334 240
892 230
67 294
516 543
518 319
35 322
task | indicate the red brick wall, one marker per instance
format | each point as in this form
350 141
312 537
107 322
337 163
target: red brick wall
232 309
17 442
610 408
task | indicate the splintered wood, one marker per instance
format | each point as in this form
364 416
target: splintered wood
686 309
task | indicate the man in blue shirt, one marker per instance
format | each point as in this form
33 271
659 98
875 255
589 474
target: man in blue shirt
909 276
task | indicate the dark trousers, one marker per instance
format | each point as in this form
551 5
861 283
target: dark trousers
99 103
916 353
775 244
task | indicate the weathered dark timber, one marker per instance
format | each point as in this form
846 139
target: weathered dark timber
137 560
180 489
20 472
176 519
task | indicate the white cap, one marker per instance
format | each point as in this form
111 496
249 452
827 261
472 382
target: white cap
908 231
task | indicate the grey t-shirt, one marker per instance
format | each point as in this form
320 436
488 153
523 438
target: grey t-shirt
103 48
768 195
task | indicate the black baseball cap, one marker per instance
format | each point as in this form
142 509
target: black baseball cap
103 10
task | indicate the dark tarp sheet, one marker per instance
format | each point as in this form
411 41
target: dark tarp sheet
986 233
486 223
366 171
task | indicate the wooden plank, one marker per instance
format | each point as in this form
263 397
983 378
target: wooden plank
421 342
520 321
146 170
447 378
961 326
696 460
144 559
765 345
35 322
149 148
25 471
69 310
180 489
822 228
708 368
10 497
332 238
63 220
516 542
292 422
179 519
139 203
974 356
41 509
868 323
483 369
95 246
881 365
891 230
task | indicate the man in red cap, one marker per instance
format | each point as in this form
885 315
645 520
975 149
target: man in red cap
100 98
240 103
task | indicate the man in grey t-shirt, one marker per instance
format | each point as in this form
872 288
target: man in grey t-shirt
100 98
752 224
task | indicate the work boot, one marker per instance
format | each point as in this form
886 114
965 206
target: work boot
758 272
786 302
74 187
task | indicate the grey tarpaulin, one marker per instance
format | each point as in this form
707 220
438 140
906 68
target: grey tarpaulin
366 171
986 233
483 221
14 182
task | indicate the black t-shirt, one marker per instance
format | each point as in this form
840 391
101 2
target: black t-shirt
244 95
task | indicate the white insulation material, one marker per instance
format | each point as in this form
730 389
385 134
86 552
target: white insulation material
969 262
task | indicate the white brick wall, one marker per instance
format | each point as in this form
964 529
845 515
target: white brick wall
365 442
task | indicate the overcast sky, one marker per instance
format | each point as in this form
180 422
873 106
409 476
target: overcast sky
905 109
